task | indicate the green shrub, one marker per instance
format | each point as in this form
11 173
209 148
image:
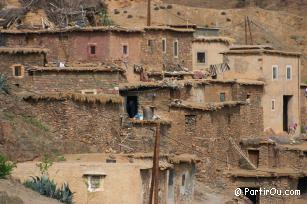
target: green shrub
47 187
3 84
6 167
44 165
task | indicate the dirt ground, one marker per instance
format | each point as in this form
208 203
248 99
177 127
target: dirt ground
12 192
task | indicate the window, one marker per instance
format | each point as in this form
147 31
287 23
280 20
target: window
275 72
176 48
222 97
95 182
150 43
89 91
288 72
18 71
201 57
273 105
253 155
164 45
125 49
92 50
183 180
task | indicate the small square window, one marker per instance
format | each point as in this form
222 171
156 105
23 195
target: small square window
18 71
93 49
222 97
288 72
150 43
125 49
275 72
201 57
95 182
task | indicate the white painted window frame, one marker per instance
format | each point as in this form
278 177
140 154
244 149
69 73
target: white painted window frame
289 67
277 74
90 189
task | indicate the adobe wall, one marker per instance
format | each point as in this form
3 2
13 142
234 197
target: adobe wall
213 53
259 67
95 125
103 82
153 57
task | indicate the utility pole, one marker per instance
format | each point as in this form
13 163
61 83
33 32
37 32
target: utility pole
148 12
250 30
154 187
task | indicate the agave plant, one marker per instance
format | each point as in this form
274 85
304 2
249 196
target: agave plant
3 83
47 187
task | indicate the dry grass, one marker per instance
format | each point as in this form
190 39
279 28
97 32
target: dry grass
22 50
225 40
84 98
205 106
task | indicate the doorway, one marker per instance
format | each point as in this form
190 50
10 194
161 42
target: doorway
286 100
252 194
132 106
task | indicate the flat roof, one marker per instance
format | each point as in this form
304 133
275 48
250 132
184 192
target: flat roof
105 68
73 29
22 50
265 173
220 39
167 28
258 50
205 106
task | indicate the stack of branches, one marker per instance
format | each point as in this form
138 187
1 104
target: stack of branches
9 16
63 12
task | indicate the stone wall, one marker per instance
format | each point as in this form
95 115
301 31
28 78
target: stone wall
95 125
60 81
153 56
303 105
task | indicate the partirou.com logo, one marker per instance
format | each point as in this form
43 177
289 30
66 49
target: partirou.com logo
266 192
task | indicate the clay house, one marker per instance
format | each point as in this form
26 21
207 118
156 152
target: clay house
207 51
167 48
276 164
280 71
95 178
15 60
199 116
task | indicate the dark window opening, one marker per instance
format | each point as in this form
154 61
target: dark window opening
92 49
132 106
201 57
302 185
176 48
110 160
222 97
183 180
253 156
251 194
150 43
125 49
214 77
30 73
17 71
164 45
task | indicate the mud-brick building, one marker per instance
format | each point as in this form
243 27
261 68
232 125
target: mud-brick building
98 79
199 116
120 178
278 164
166 48
153 47
280 71
208 50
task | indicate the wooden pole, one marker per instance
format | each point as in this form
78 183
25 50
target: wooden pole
250 30
245 31
154 187
148 12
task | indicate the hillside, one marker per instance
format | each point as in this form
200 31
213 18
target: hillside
277 23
